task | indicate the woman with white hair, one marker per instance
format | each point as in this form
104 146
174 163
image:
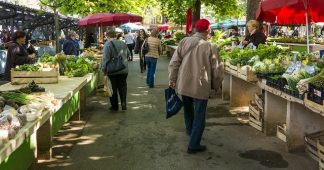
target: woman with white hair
255 36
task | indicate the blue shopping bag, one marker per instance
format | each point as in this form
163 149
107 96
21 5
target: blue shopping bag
173 102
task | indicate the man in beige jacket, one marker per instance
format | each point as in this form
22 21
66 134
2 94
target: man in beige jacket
194 70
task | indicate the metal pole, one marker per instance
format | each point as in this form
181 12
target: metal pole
307 32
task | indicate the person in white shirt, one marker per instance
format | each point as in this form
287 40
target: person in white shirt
129 39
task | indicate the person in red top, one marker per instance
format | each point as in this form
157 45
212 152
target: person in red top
168 35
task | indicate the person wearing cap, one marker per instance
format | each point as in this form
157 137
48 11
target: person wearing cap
195 68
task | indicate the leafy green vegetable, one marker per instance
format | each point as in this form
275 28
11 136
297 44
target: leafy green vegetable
46 58
28 67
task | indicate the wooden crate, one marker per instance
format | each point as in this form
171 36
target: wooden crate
255 118
231 68
311 144
247 75
259 101
46 76
320 153
313 106
281 132
255 111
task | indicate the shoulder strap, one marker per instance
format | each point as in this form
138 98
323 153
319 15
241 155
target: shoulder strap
114 47
191 49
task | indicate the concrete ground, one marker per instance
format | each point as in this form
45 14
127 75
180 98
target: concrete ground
142 139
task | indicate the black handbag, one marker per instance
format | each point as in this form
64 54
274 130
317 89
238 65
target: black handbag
116 62
173 103
145 47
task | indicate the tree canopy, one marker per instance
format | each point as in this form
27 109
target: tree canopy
175 10
83 8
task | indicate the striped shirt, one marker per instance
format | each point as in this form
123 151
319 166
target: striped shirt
155 48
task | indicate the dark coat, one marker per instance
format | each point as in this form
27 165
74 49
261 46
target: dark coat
138 44
89 40
17 55
256 38
69 47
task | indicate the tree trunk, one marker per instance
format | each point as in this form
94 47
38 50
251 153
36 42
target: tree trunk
57 30
196 13
252 7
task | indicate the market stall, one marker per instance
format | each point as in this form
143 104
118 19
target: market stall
280 90
62 100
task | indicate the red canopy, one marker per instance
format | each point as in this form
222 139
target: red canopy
163 27
291 11
108 19
189 21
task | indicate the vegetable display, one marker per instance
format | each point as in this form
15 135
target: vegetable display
178 36
73 66
49 59
28 67
32 87
169 41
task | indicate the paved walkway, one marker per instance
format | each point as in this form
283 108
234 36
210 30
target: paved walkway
142 139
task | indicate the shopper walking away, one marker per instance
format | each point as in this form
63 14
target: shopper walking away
194 69
68 46
17 54
138 48
114 48
152 56
129 39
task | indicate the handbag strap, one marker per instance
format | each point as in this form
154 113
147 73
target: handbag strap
115 49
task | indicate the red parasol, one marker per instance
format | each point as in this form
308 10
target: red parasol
163 27
291 11
189 21
109 19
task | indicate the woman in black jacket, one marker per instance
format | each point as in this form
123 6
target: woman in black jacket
138 48
255 36
17 54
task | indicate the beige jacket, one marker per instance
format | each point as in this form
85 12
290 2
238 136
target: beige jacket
155 48
195 67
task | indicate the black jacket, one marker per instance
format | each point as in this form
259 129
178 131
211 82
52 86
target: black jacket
17 55
138 44
69 47
256 38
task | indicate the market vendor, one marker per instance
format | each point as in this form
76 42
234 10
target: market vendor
17 54
255 36
234 31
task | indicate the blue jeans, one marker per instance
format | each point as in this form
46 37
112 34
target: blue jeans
151 67
194 114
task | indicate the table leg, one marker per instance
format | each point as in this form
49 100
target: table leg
44 141
300 122
241 92
226 87
275 110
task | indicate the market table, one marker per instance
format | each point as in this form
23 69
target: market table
34 140
279 107
301 47
170 49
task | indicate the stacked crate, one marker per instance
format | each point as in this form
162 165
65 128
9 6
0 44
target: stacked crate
256 109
